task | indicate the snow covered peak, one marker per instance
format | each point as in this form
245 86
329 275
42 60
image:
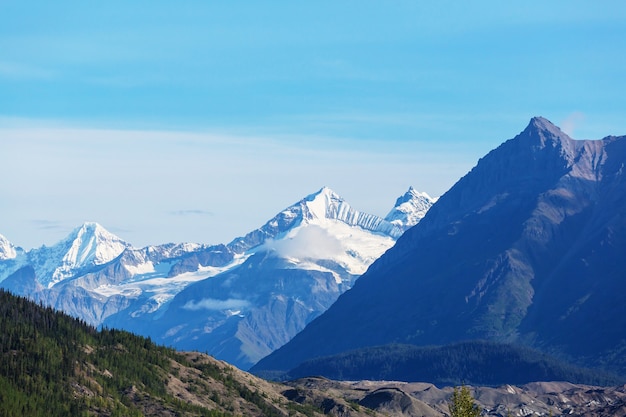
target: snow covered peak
324 204
7 250
93 244
320 207
410 208
411 195
87 245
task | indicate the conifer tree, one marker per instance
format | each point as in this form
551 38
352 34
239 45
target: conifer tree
462 403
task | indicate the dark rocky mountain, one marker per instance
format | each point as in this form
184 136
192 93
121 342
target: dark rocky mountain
527 248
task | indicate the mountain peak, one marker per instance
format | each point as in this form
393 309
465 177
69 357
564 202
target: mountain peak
87 245
324 193
90 227
92 242
543 130
328 205
320 207
410 208
323 204
540 122
412 193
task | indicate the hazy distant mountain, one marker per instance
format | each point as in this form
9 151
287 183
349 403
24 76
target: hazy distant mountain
528 248
279 277
92 273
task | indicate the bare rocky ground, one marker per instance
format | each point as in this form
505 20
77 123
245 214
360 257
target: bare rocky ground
422 399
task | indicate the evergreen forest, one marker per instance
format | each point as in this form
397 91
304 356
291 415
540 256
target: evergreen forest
54 365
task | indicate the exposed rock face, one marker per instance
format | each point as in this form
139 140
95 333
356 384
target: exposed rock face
526 248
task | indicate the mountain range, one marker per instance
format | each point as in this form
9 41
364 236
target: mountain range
526 249
238 301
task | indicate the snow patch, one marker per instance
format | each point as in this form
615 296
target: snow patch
310 266
155 281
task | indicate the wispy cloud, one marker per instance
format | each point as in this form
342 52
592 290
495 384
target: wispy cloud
48 224
572 122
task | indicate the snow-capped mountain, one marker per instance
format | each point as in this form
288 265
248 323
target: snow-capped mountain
321 243
89 245
325 204
293 268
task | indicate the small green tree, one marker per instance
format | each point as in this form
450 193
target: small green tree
462 403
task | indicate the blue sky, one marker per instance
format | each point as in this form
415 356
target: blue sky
200 120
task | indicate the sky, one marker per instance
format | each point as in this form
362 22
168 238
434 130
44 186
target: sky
198 121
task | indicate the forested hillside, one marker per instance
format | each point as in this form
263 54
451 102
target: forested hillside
55 365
